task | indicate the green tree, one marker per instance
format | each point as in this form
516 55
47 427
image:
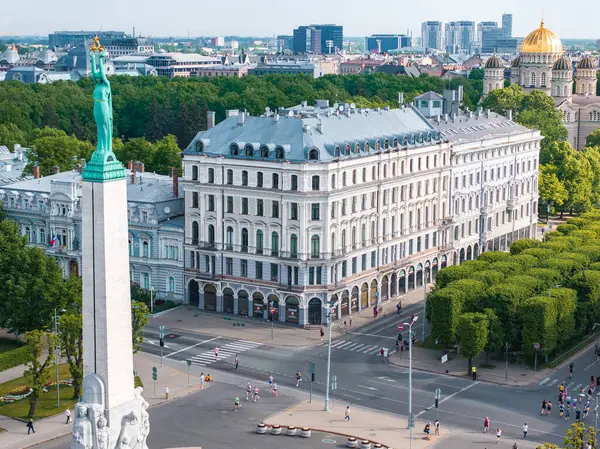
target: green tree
36 371
550 188
166 155
473 331
496 335
503 100
579 436
593 139
57 151
445 307
11 135
71 344
139 319
137 149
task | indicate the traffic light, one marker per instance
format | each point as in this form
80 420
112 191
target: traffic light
436 402
312 377
154 373
162 343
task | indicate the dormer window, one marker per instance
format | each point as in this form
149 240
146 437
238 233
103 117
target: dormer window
264 151
367 146
337 151
377 145
412 139
386 144
199 146
234 149
404 141
279 153
420 138
313 155
347 150
249 150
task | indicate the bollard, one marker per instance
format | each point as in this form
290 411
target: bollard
377 446
351 442
261 428
365 444
291 431
305 432
276 429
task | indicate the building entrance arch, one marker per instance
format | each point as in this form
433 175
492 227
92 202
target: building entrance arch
411 278
394 285
469 253
374 293
228 300
419 276
273 301
292 309
354 300
194 292
434 269
243 299
345 304
258 305
402 287
444 261
364 296
315 309
210 297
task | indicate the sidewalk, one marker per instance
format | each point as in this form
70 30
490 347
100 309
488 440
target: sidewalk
428 360
378 427
260 331
46 429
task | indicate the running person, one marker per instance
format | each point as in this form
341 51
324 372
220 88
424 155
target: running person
236 403
544 404
274 388
498 434
298 378
567 414
271 381
216 354
256 396
549 406
248 391
486 425
561 410
571 366
577 415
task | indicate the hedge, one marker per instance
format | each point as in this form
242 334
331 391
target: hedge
547 276
566 229
491 277
591 251
580 222
520 245
14 357
529 282
525 261
472 290
494 256
453 273
445 309
585 235
539 316
540 253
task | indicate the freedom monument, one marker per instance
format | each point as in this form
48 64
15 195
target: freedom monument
111 413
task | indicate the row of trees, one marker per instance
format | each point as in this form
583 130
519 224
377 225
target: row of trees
33 292
154 107
541 292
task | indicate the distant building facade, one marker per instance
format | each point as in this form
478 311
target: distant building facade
285 43
384 43
432 33
460 36
507 21
166 64
64 39
319 39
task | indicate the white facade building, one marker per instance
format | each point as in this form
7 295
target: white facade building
285 214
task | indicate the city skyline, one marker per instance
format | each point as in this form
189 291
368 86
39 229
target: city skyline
269 18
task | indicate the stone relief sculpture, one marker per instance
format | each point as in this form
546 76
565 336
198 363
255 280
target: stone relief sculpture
82 429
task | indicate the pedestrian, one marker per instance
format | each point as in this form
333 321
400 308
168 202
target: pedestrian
486 425
515 446
236 403
298 378
270 381
374 311
256 396
350 322
166 391
202 379
237 361
549 407
567 414
525 430
498 434
436 426
561 410
30 426
474 372
347 413
248 391
216 354
322 333
399 307
68 415
275 393
382 354
544 404
577 415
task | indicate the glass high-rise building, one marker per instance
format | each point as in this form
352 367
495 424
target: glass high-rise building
507 26
319 39
384 43
432 33
460 36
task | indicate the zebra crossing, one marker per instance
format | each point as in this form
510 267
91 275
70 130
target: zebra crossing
225 351
571 386
348 345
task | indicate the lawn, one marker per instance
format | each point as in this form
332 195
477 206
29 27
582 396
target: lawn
8 344
46 404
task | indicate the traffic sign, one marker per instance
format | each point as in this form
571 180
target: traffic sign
189 362
334 385
376 294
438 393
333 378
161 331
400 327
154 370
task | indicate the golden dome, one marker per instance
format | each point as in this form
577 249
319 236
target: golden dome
542 40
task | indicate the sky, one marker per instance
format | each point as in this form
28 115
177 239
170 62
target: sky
272 17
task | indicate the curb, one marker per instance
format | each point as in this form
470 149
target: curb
164 312
465 376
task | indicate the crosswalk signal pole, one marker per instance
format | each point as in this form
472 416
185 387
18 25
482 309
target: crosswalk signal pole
330 322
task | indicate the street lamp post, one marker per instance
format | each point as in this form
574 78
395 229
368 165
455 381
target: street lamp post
413 319
425 279
57 353
330 323
151 300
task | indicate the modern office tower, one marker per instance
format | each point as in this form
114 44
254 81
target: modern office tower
432 34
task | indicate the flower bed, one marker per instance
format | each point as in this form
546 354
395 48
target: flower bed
20 393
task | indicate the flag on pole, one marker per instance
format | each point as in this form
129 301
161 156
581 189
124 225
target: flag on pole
53 240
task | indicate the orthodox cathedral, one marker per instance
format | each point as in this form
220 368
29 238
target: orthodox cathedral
543 65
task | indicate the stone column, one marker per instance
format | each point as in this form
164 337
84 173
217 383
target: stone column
235 304
201 300
282 311
220 303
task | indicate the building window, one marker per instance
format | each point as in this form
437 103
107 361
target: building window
311 275
364 262
244 240
229 266
275 181
294 182
171 286
274 272
293 246
244 268
229 238
259 179
259 242
313 155
279 153
211 175
344 269
195 200
145 249
293 211
211 203
244 178
373 259
229 177
259 208
245 206
274 244
194 173
314 246
275 206
315 182
259 270
314 214
229 204
146 281
354 265
43 238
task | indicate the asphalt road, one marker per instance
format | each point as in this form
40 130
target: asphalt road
208 419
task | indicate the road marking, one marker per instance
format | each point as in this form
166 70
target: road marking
386 379
343 345
570 384
358 348
553 382
544 381
352 346
337 343
446 398
369 349
373 335
589 366
368 388
190 347
578 386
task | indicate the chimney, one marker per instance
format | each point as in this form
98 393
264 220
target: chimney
509 114
210 119
36 172
130 165
138 167
133 176
320 127
175 177
241 118
56 170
